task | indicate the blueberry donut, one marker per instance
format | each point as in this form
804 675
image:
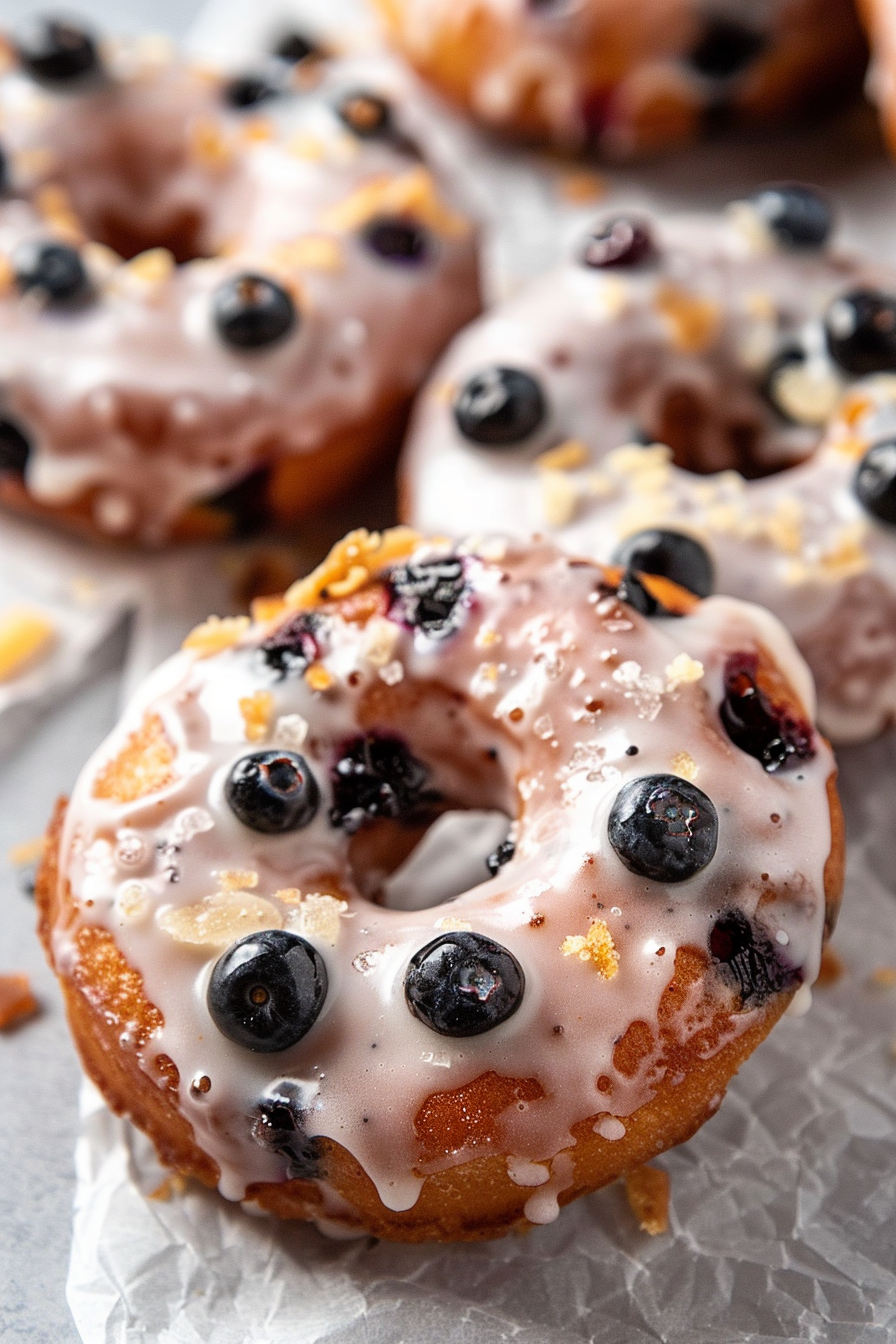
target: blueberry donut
269 967
630 78
206 283
717 350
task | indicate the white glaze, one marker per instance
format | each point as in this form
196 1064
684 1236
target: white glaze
556 644
797 542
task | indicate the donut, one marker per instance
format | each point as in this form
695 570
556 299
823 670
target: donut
207 283
630 79
268 965
685 374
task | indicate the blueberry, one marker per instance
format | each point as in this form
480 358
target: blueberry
632 591
272 792
397 240
875 481
726 48
671 555
53 50
663 827
748 960
503 854
266 992
428 596
294 645
365 114
54 270
499 407
861 331
279 1126
770 733
620 241
249 90
463 984
251 311
797 215
15 449
295 48
376 776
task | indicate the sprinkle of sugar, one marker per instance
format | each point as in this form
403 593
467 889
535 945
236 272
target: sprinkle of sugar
319 915
26 636
487 637
567 456
288 896
257 710
380 638
220 919
291 732
684 765
682 671
596 946
883 978
318 677
392 673
132 902
748 222
215 634
485 680
16 999
647 1192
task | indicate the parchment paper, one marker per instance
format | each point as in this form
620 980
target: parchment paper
784 1204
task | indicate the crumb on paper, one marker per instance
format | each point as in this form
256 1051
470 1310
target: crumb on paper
26 635
172 1185
832 967
647 1191
883 978
596 946
16 999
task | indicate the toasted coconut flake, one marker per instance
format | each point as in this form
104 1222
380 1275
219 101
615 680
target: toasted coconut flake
318 915
596 946
215 634
647 1191
291 732
220 919
257 711
26 635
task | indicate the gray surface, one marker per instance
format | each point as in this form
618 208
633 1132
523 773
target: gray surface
125 16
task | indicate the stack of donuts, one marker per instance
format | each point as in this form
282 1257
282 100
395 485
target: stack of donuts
458 880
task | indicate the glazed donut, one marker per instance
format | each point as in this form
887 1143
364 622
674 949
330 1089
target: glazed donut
727 343
243 982
630 78
253 381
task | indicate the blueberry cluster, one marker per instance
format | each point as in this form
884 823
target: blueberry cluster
748 960
375 775
771 733
428 596
279 1126
294 645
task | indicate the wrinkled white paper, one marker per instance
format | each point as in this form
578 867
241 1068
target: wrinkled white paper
783 1206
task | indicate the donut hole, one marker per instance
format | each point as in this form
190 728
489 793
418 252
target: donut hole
450 857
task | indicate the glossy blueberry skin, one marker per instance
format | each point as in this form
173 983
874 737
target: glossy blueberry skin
53 270
463 984
272 792
249 90
295 48
266 992
280 1127
398 241
671 555
633 592
503 854
726 49
749 961
663 827
798 216
620 241
875 481
861 331
428 596
252 312
15 448
771 734
499 407
55 51
375 775
367 115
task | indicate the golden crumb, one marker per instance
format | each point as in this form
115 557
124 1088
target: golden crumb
318 677
153 267
684 765
16 999
172 1185
237 879
257 711
26 635
220 919
54 203
693 321
257 130
315 252
288 896
144 765
647 1191
414 194
208 144
568 456
370 551
451 924
215 634
682 671
596 946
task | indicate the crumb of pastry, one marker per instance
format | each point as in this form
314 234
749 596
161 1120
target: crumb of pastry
361 550
16 999
596 946
237 879
413 193
647 1191
693 321
318 677
215 634
257 711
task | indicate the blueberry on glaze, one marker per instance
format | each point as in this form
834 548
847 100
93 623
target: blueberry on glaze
503 854
499 407
749 961
249 90
397 240
295 48
798 216
365 114
875 481
671 555
726 49
463 984
861 331
620 241
15 449
294 645
266 992
272 792
632 591
53 270
770 733
279 1126
251 311
56 51
376 776
663 827
428 596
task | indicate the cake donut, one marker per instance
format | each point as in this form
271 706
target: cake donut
717 350
630 78
242 980
250 357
